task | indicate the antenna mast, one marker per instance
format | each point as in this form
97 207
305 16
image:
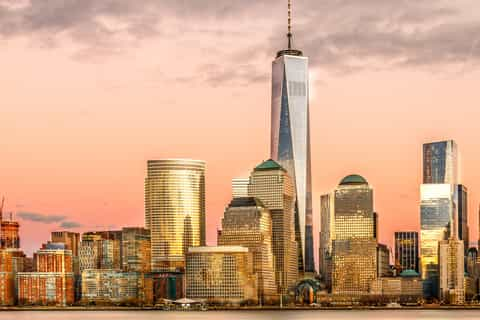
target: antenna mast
1 208
289 34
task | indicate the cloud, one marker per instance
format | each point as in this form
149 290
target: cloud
49 219
338 35
42 218
70 225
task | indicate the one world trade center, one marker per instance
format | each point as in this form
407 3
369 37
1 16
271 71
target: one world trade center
290 138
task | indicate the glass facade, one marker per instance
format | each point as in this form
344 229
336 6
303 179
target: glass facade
273 186
220 274
440 162
290 142
248 223
174 210
406 250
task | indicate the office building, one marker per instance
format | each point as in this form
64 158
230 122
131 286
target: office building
221 274
271 184
71 240
383 261
114 286
248 223
353 237
240 187
136 250
452 271
174 210
290 139
406 250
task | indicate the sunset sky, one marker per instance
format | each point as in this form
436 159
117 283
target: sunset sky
89 90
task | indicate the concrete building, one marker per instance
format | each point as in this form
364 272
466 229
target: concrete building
136 255
240 187
248 223
221 275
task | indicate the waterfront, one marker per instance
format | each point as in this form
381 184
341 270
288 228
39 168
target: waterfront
243 315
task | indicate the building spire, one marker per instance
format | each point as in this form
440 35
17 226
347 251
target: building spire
289 34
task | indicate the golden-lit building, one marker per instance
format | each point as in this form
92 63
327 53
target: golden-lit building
271 183
351 237
7 278
452 271
247 223
136 250
174 210
115 286
222 274
9 236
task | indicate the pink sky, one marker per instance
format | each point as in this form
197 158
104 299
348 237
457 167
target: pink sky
89 92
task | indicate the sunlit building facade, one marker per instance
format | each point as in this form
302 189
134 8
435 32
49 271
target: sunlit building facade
136 250
248 223
327 228
174 210
71 240
406 250
272 185
240 187
290 141
222 274
354 238
452 271
440 217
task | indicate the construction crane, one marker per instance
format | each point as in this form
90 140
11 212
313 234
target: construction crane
1 208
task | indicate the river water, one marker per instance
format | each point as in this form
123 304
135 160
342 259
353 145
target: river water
244 315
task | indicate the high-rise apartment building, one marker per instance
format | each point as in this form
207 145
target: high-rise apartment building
290 139
174 210
406 250
348 250
443 209
272 185
452 271
248 223
220 274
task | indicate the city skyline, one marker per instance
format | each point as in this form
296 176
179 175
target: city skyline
76 159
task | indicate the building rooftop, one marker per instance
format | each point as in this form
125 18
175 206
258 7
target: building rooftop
353 179
246 202
217 249
409 273
269 165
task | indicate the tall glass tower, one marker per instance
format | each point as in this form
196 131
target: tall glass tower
290 138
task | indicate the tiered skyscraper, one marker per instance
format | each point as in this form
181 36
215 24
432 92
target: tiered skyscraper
443 208
290 138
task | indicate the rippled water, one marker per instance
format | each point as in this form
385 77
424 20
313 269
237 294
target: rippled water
243 315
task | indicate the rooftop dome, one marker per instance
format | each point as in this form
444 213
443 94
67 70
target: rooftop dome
353 179
409 273
269 165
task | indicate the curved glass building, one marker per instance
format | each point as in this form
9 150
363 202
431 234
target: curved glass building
174 210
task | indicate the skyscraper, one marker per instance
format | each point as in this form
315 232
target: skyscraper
440 213
174 210
352 237
271 184
452 271
248 223
406 250
240 187
290 138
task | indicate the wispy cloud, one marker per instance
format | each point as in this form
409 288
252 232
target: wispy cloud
70 225
39 217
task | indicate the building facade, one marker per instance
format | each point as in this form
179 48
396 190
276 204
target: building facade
452 271
240 187
221 274
71 240
136 250
406 250
290 141
248 223
271 184
383 261
174 210
353 238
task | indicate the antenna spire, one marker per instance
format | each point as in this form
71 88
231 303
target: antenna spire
289 34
